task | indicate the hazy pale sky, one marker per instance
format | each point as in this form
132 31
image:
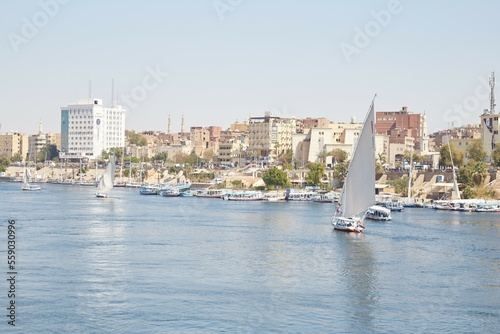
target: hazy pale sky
217 61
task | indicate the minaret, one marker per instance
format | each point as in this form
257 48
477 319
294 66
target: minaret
182 124
424 138
169 124
40 129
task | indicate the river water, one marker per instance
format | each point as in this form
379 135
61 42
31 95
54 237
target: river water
150 264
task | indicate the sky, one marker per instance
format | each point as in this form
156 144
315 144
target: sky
220 61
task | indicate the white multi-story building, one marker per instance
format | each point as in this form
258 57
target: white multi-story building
89 128
270 136
313 143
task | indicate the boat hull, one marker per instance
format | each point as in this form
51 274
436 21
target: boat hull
343 224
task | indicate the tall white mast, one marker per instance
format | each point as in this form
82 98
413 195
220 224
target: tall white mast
492 93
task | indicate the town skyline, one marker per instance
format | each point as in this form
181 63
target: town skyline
219 61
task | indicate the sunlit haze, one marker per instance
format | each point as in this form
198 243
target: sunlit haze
220 61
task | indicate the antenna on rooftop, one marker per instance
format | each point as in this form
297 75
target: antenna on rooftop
90 90
112 92
492 93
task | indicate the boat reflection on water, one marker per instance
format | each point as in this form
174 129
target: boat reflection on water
359 277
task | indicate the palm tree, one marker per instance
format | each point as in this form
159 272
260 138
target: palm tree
478 172
322 156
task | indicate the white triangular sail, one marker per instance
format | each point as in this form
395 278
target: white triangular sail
107 180
358 193
455 193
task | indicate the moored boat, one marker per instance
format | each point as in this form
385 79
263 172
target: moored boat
377 212
244 196
211 193
170 192
149 190
300 196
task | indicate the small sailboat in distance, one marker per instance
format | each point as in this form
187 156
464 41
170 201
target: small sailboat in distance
107 180
358 193
26 185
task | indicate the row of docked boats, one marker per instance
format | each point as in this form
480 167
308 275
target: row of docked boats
467 205
183 190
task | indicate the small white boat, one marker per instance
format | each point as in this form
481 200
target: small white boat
149 190
441 205
26 185
244 196
376 212
300 196
488 207
170 192
30 187
211 193
466 205
329 197
274 197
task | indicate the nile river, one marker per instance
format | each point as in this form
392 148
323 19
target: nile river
150 264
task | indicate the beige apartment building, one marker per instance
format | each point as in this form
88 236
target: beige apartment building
270 136
12 144
310 145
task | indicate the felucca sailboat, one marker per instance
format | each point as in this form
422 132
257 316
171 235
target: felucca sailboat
107 180
358 193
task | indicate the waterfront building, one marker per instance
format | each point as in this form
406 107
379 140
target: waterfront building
397 150
241 127
13 143
233 151
270 136
489 131
38 141
399 125
88 128
312 145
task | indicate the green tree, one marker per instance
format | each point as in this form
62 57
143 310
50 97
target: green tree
48 152
315 173
444 156
340 171
478 171
137 139
415 156
495 156
17 157
476 150
187 170
4 163
322 155
468 192
209 155
338 155
160 156
287 157
276 177
400 185
473 174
